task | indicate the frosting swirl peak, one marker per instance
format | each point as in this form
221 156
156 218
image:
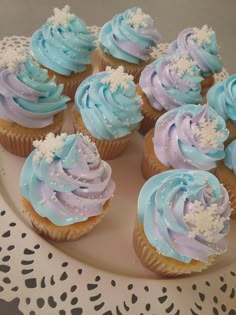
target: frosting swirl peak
185 214
65 180
190 137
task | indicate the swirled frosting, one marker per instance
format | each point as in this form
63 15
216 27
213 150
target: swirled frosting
222 97
230 154
129 36
63 44
171 81
109 104
185 214
202 47
65 180
190 137
27 97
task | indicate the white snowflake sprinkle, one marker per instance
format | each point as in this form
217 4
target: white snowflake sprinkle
117 77
61 17
182 65
10 58
206 133
204 221
202 35
138 19
46 148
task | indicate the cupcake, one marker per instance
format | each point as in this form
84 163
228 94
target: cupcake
127 40
226 173
222 97
182 222
66 187
63 45
108 110
31 105
167 83
189 137
202 46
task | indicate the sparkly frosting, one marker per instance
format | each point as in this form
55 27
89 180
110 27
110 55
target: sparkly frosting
222 97
109 104
185 214
230 154
65 180
129 36
190 137
171 81
27 97
202 47
63 44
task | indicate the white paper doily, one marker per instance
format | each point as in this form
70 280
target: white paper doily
40 277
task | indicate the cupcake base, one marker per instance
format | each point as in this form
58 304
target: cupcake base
108 149
150 114
162 265
71 82
150 165
19 140
134 69
62 233
227 177
206 84
232 131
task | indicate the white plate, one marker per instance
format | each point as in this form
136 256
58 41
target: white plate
100 273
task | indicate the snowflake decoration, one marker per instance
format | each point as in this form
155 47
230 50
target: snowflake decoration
202 36
61 17
138 19
182 65
47 148
117 77
10 58
207 134
204 221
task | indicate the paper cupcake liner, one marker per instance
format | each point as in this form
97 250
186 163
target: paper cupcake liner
150 114
56 233
206 84
232 132
107 60
160 264
108 149
150 165
228 178
19 140
71 82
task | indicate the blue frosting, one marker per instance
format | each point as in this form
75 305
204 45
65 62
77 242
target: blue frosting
222 97
28 98
70 188
123 41
163 202
230 156
108 114
63 49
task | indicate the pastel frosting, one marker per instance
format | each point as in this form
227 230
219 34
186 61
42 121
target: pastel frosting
129 36
171 81
185 214
230 154
65 180
63 44
27 97
201 45
222 97
190 137
109 104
